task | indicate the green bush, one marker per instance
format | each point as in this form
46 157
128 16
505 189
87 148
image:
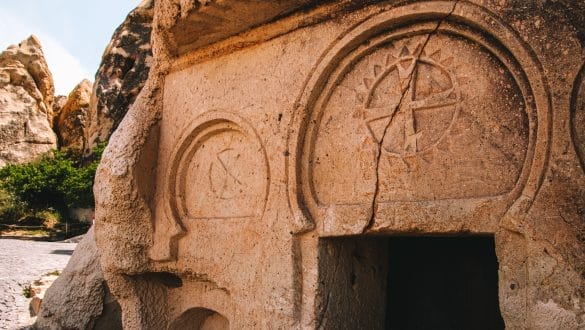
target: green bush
57 181
27 291
11 209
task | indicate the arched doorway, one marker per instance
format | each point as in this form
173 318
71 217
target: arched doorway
422 120
200 319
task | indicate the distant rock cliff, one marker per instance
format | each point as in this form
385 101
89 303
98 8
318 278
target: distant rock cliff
33 120
72 120
26 103
122 73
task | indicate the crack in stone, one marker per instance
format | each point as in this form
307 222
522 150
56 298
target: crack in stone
374 207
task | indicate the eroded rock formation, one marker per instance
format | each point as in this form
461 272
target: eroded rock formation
267 167
122 73
72 121
26 103
58 104
80 298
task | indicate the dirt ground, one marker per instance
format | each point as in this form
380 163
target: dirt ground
21 263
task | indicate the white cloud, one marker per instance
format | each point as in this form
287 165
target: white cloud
66 69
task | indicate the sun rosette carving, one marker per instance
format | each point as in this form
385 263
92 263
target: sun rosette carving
394 107
418 119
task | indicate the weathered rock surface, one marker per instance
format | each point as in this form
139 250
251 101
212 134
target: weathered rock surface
79 298
122 73
263 173
72 122
38 289
58 104
26 103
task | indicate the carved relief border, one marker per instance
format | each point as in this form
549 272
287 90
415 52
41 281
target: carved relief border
228 155
480 27
501 40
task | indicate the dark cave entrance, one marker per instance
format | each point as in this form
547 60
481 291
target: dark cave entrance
408 283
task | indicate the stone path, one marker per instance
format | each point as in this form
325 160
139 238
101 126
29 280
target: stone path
22 262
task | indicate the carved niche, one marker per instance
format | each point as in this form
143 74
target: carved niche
215 191
415 117
219 171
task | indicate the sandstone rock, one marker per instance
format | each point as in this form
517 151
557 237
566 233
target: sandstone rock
26 103
35 305
121 75
58 104
30 55
38 289
79 298
351 164
72 123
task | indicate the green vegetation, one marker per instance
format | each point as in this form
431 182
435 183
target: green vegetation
27 291
53 273
41 193
11 209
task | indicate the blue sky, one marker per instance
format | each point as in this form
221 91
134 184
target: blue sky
73 33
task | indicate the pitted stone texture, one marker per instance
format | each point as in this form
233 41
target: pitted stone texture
26 103
255 140
123 70
72 123
197 23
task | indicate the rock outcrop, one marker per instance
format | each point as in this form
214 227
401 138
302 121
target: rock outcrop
26 103
58 104
72 120
124 68
79 298
263 180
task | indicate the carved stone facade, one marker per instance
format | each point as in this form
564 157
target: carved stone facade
276 171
